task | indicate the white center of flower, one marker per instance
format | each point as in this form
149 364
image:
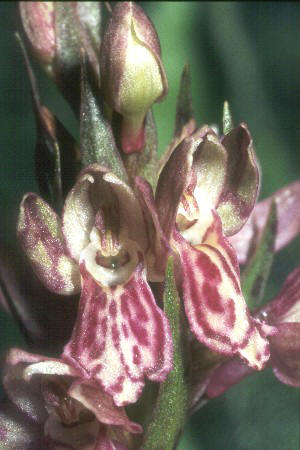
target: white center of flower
110 270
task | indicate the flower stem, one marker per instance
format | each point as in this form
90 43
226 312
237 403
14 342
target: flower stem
170 411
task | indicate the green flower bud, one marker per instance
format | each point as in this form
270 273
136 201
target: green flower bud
133 77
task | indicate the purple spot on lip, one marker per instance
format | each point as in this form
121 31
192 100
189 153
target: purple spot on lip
115 336
125 330
231 318
113 310
118 386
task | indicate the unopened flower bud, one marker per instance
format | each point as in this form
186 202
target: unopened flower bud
133 77
38 22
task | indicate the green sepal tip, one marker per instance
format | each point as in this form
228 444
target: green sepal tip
227 119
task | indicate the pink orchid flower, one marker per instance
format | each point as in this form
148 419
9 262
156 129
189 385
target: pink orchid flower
120 335
206 192
49 406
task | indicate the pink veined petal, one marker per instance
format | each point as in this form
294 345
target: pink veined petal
102 406
213 300
120 337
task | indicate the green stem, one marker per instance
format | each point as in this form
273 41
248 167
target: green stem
170 412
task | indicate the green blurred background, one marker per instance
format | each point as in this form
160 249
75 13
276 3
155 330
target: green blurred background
246 53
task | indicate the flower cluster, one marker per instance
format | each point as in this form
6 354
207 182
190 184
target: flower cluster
126 215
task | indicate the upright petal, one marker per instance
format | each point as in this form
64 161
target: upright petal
130 209
40 235
78 216
210 165
201 152
242 180
168 193
97 188
120 336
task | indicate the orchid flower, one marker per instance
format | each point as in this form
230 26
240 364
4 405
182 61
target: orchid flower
49 406
120 335
283 312
147 251
206 191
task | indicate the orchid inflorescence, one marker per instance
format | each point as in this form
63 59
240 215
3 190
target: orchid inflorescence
151 247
